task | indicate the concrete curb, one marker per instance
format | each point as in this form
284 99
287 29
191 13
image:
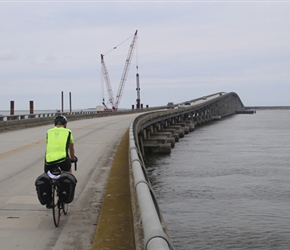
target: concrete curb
115 223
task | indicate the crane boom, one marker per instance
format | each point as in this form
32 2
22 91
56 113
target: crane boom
108 82
125 71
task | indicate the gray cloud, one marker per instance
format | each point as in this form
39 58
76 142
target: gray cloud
185 50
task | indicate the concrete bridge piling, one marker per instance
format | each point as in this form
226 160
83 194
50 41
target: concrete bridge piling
179 122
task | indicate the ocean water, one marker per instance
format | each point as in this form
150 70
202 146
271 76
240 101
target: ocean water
227 184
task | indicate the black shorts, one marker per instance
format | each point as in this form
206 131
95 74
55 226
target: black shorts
65 165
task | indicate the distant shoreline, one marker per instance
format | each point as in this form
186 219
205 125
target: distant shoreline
267 107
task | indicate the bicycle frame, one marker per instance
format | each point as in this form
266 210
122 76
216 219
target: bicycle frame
58 206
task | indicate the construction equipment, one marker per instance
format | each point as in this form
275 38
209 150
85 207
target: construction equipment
108 83
115 103
138 90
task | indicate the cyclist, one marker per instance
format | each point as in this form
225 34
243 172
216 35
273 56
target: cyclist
59 146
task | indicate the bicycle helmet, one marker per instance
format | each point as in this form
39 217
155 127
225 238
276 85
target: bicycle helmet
60 120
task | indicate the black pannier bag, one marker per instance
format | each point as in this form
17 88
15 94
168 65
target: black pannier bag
67 184
43 189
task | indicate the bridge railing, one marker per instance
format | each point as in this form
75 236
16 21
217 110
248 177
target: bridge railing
43 115
155 237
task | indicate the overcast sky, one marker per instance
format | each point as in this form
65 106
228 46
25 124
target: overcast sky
185 50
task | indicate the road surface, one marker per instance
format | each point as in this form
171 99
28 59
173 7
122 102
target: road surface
24 223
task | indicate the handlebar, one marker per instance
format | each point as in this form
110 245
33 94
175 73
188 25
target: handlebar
76 166
75 160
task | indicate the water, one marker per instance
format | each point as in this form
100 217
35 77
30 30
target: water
227 185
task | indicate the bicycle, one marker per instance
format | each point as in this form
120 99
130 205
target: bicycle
59 207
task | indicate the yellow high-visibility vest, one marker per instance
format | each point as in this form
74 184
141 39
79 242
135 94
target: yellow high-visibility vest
58 140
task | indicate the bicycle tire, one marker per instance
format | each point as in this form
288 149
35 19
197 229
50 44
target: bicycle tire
55 207
65 208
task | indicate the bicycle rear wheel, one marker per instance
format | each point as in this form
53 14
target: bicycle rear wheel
65 208
55 206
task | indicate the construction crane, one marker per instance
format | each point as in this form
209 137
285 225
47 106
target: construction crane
108 84
138 106
115 103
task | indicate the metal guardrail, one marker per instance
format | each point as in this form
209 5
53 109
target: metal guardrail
154 235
